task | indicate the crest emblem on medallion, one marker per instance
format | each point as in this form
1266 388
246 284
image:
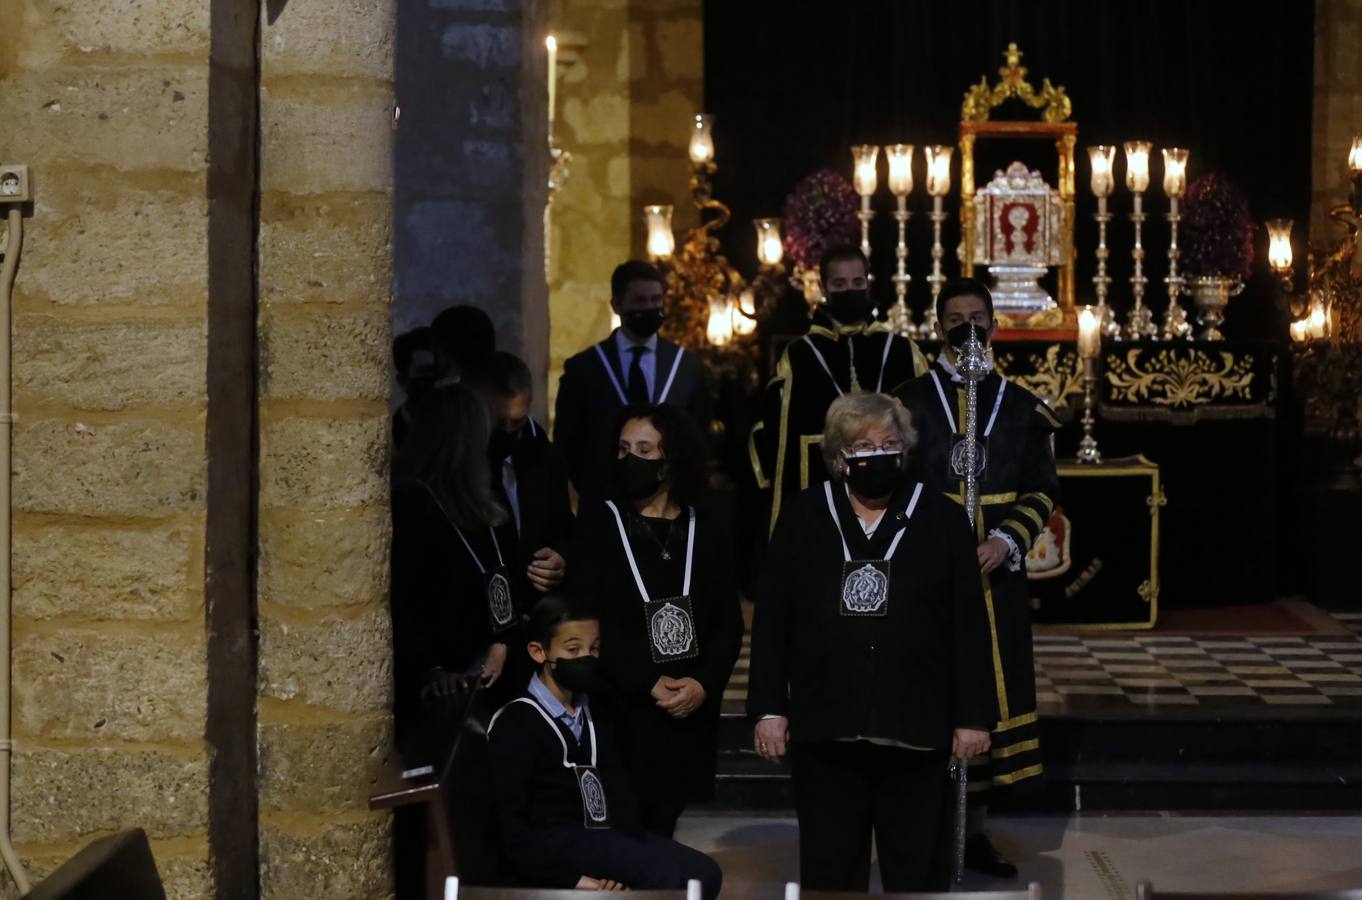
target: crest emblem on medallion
499 599
593 796
865 590
958 465
672 630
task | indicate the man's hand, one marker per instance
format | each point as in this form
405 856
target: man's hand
686 696
546 570
970 742
492 664
772 737
587 883
660 690
992 554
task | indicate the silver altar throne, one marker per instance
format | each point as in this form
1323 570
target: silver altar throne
1019 234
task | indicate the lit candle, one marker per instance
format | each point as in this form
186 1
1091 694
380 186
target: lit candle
939 169
900 158
552 43
1300 331
720 328
1319 322
1103 159
864 177
1174 172
1355 155
1089 333
1137 166
1279 244
769 249
702 140
745 313
661 241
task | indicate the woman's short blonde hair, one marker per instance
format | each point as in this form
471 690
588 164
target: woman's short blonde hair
852 415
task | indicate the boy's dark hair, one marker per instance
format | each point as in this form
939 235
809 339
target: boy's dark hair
503 375
464 336
552 611
963 287
837 253
626 273
682 444
405 348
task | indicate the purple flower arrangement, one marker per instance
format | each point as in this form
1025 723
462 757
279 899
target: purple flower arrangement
1217 230
820 212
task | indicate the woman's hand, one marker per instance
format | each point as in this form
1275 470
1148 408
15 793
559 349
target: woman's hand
492 664
686 696
772 737
970 742
546 570
587 883
441 685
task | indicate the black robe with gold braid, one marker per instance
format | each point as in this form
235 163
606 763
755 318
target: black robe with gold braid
1017 494
785 442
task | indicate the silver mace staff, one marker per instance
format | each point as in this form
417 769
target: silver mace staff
974 360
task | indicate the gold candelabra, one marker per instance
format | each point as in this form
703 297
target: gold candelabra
711 308
1326 330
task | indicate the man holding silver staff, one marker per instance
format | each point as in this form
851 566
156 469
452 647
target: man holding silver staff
870 656
1003 471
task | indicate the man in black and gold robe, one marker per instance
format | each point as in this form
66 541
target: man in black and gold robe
846 351
1018 490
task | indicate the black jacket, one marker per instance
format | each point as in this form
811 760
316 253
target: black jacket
913 675
538 801
542 487
438 599
588 400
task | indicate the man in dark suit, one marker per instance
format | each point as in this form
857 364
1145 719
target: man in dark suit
528 473
632 365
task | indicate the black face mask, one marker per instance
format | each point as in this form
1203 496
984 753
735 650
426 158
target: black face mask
850 307
643 323
875 476
958 335
503 443
638 477
580 675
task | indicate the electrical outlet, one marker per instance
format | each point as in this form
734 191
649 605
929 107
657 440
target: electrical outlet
14 184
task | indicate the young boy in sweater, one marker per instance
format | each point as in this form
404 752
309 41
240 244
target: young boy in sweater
568 816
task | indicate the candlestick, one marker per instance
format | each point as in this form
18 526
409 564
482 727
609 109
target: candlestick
865 180
1279 255
900 159
1175 324
1140 321
937 278
1087 447
552 43
1102 157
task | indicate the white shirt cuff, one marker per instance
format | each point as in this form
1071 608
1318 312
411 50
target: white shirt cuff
1014 556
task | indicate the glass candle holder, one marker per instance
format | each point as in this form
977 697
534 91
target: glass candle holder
864 177
770 251
900 159
661 240
702 140
1175 172
939 169
1103 160
1137 166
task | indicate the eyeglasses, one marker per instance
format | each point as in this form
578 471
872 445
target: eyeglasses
864 448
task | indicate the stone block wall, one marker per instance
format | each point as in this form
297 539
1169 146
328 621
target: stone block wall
1338 108
110 111
631 78
325 251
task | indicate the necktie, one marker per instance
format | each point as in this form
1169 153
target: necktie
638 385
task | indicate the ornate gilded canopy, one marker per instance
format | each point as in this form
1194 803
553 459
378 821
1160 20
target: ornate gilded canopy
976 122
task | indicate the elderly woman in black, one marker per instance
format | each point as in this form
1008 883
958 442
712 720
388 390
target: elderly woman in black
871 663
659 566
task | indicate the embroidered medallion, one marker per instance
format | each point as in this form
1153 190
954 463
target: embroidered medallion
596 813
500 607
671 629
958 464
865 588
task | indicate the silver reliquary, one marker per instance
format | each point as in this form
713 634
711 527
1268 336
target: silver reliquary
1018 234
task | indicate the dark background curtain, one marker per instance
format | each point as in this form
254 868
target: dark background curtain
794 84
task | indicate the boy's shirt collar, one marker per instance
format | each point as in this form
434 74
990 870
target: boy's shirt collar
545 698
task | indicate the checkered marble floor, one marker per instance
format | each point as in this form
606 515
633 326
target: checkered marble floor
1143 672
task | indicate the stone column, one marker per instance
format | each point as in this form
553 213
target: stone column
325 251
110 332
472 167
